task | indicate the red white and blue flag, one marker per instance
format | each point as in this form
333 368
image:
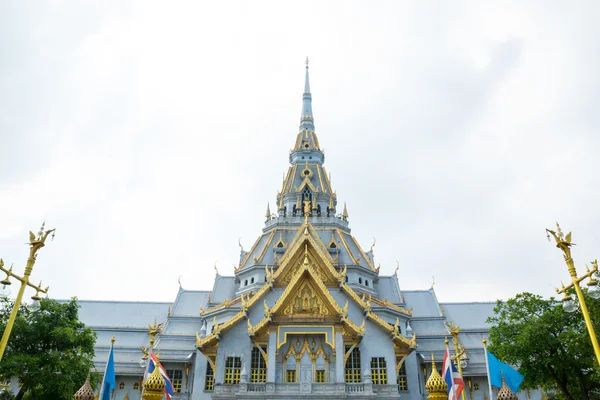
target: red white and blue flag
452 377
169 391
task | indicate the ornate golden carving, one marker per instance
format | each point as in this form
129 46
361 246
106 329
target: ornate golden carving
307 262
280 243
268 275
306 182
307 302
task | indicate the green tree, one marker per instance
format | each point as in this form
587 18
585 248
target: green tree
551 347
49 350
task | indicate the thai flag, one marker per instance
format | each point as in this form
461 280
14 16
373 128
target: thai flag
452 378
169 391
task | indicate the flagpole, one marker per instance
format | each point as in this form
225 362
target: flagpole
449 358
487 368
112 344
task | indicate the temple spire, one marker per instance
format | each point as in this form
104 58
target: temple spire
306 82
306 118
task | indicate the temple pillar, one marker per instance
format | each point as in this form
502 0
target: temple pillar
340 350
272 356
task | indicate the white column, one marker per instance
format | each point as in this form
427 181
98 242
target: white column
271 356
199 373
339 356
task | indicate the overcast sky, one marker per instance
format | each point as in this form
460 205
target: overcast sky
152 136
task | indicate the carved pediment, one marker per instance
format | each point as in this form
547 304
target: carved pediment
307 301
301 263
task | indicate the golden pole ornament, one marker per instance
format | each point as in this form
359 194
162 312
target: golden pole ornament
564 243
435 385
454 330
35 244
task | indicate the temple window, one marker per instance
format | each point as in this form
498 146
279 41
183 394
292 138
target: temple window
252 280
246 282
290 375
320 376
353 374
360 280
210 378
258 372
176 377
233 368
366 282
307 194
122 385
402 381
346 279
136 386
378 371
332 246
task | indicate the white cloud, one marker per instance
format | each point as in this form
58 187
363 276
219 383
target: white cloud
153 136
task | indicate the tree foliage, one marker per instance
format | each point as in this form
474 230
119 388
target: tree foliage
551 347
49 350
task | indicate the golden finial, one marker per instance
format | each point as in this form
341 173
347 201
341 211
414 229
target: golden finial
436 386
268 213
268 274
562 242
112 340
373 245
345 213
155 384
240 244
505 393
153 330
453 328
85 392
397 267
215 267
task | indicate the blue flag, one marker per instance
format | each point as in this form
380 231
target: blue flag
109 381
497 368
